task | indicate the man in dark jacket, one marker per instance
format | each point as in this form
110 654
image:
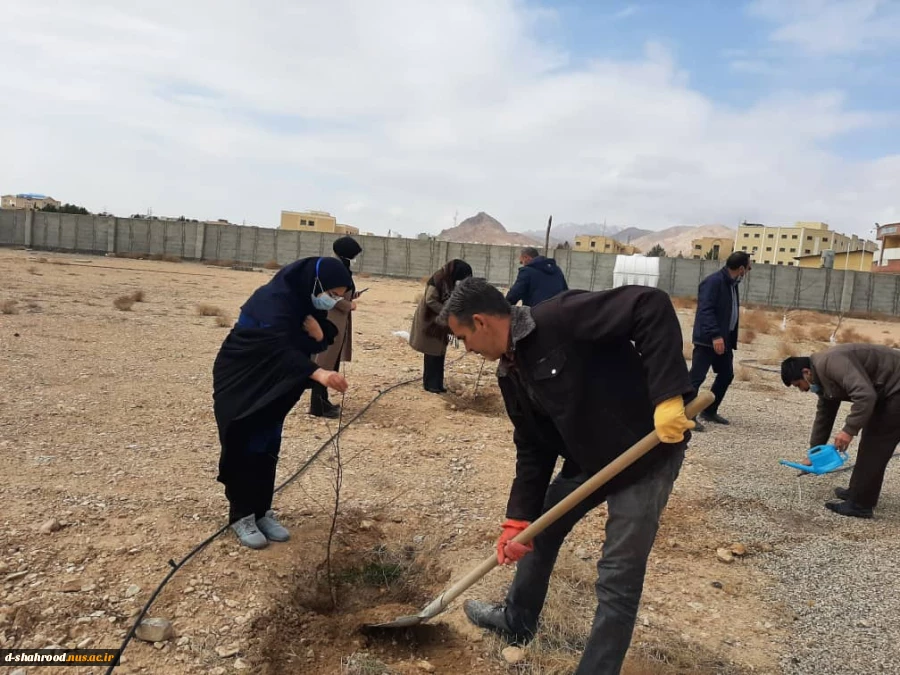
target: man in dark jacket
716 331
869 377
539 279
584 376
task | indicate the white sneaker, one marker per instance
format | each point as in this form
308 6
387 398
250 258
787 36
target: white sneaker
271 528
248 533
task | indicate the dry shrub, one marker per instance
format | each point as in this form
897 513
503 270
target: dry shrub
761 322
684 303
850 334
59 261
204 309
9 307
168 257
747 336
797 333
222 263
33 270
872 316
272 265
786 349
223 320
130 256
744 374
124 303
155 257
820 333
42 259
891 342
138 295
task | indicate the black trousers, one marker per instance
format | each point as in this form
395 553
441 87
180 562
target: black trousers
250 485
702 360
634 513
433 372
880 438
318 393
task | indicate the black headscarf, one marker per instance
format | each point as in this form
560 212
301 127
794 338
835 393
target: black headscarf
346 248
446 278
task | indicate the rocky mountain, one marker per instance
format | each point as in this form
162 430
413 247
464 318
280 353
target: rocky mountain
629 234
561 232
484 229
678 239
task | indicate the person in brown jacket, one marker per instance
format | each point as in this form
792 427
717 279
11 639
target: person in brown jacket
341 350
868 376
427 335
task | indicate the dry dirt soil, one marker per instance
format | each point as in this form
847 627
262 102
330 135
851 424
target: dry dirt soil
106 427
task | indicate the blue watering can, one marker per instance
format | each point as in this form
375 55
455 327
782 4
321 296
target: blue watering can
824 458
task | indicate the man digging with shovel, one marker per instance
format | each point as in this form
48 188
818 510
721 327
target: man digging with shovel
583 377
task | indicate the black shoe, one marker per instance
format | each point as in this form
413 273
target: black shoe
842 493
492 617
715 418
849 509
432 390
320 408
698 425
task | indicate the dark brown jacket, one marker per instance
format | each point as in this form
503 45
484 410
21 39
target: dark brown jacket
863 374
582 383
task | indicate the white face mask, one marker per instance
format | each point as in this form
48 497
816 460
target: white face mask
324 301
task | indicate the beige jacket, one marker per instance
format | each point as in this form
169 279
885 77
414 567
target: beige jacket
863 374
342 318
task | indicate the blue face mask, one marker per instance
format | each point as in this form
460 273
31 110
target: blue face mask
815 389
322 300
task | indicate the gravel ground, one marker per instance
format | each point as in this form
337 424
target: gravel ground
836 575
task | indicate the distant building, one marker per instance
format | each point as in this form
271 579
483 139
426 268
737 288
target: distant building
602 244
784 245
721 248
27 200
314 221
855 261
889 256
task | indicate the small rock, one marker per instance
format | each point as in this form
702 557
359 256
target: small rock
366 525
228 651
84 643
582 553
240 664
717 584
425 666
739 550
49 526
155 630
15 575
18 671
724 555
132 591
218 670
513 655
71 586
766 548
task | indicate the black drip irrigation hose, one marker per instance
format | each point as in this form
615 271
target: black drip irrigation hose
206 542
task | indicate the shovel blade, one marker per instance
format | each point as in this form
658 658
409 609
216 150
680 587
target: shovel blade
401 622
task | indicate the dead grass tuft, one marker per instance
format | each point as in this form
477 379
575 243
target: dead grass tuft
850 334
124 303
34 270
747 336
223 320
138 295
745 374
761 322
168 257
797 333
204 309
272 265
786 349
222 263
891 342
820 333
361 663
9 307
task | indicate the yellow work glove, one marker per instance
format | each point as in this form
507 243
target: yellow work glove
670 422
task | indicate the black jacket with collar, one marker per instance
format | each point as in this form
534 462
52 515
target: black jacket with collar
583 385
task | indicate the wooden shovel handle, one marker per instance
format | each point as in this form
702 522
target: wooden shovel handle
607 473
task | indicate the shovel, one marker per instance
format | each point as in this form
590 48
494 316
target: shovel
608 472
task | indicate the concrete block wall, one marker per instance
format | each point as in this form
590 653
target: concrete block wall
771 285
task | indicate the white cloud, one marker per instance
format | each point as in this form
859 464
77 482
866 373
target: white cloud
396 116
832 26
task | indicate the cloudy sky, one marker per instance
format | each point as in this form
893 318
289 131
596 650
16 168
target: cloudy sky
400 113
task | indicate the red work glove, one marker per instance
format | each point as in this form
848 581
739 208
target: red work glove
509 551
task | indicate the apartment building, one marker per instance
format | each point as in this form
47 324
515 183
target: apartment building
601 244
314 221
784 245
855 261
720 248
27 200
888 259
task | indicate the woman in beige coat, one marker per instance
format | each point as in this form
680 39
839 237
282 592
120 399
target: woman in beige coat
346 249
426 335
